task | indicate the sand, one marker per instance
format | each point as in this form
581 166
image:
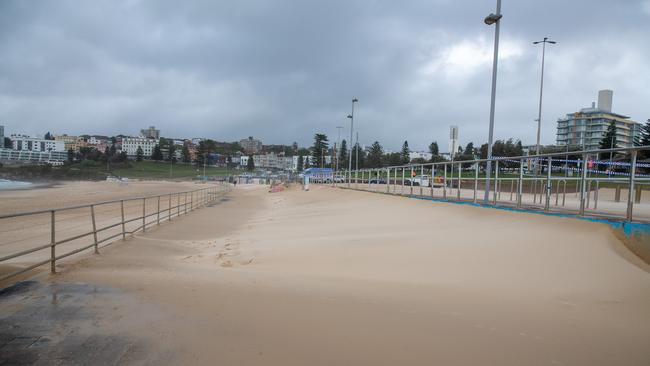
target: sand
22 233
337 277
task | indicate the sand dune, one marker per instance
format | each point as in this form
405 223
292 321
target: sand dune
335 277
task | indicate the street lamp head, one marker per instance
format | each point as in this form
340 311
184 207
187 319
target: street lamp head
355 100
350 116
492 18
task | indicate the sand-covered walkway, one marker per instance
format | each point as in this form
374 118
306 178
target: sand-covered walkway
336 277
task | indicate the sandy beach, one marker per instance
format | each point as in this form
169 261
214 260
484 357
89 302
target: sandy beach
332 277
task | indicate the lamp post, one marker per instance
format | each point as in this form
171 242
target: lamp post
489 20
541 89
351 117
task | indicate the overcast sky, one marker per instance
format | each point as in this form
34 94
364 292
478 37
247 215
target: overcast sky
283 70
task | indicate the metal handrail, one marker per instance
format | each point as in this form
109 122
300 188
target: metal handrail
204 197
542 162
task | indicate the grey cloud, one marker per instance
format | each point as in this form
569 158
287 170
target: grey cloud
282 70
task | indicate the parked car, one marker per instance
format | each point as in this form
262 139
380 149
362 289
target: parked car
337 179
419 180
377 180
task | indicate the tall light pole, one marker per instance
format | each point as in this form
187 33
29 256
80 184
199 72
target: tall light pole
351 117
541 89
489 20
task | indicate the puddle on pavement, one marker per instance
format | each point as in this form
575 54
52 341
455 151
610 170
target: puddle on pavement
73 323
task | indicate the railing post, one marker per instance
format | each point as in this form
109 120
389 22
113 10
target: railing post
520 183
52 242
178 204
185 203
630 192
583 184
421 178
460 171
444 183
92 216
596 194
411 180
387 180
191 200
123 224
158 212
402 192
547 205
433 177
169 208
496 180
144 214
395 182
476 169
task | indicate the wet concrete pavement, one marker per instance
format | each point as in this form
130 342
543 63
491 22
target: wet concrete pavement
71 324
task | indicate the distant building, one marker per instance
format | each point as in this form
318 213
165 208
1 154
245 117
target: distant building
420 155
2 136
251 145
71 142
26 143
587 127
150 133
130 145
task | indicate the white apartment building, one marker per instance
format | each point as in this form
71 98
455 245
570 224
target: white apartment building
130 145
420 155
26 143
269 161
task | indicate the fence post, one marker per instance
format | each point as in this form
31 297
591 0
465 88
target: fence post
596 194
52 242
158 211
460 170
630 197
547 204
123 224
144 214
411 180
402 192
387 180
178 204
444 183
92 216
496 180
433 177
421 178
169 208
185 203
583 184
475 180
520 182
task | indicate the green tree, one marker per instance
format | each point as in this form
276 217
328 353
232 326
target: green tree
301 163
157 153
48 136
70 156
319 150
139 154
406 153
609 140
171 151
433 149
250 165
343 154
358 157
185 154
374 155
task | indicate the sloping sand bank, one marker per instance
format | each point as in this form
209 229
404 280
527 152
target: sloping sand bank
335 277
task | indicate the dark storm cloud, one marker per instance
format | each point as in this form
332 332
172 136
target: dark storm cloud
282 70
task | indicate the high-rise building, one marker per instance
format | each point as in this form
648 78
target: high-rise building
251 145
150 133
587 127
2 136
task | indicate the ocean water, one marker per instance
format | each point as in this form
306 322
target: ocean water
6 184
